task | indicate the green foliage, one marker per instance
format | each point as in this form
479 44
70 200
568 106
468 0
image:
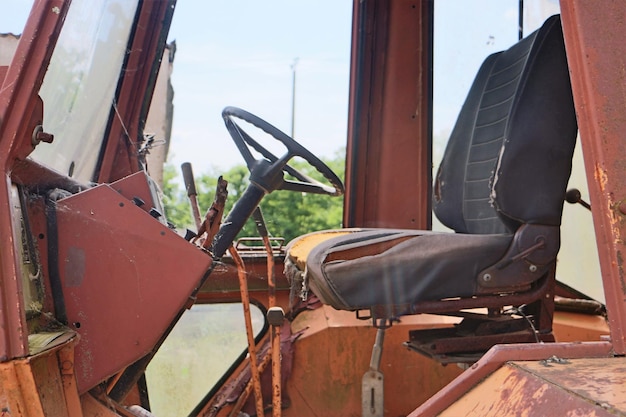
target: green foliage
288 214
177 209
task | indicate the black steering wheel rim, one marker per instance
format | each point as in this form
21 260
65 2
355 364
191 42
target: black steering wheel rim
304 183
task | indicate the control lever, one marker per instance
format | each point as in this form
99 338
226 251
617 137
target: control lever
573 196
190 186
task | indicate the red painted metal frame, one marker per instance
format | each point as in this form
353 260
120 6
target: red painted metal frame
389 123
594 39
18 102
125 278
120 154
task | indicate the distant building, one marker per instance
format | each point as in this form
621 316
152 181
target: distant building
8 45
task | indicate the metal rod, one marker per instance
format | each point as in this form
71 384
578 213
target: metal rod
257 215
293 96
271 281
276 373
275 327
234 412
114 380
520 23
245 301
275 335
377 351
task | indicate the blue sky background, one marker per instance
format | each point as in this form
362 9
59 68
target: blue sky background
240 53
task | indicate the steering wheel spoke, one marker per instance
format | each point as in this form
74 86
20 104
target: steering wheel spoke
307 187
266 176
234 130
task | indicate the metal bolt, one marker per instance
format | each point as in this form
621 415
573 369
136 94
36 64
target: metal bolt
67 365
487 277
45 137
532 268
40 136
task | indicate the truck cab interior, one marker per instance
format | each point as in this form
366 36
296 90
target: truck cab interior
382 317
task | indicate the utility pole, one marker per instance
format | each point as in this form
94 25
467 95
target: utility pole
293 95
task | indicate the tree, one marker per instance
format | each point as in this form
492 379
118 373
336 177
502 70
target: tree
287 214
177 209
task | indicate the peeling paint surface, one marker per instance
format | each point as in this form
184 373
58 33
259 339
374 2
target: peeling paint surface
582 387
600 381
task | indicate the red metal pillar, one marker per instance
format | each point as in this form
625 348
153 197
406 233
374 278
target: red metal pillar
594 39
388 163
20 108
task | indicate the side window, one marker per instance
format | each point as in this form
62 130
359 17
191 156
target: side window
81 82
200 349
461 45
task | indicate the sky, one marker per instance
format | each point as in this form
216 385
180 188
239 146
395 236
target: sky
241 53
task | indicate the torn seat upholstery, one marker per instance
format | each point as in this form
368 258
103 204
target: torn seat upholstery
500 187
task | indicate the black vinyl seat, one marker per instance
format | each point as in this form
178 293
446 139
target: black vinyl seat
500 186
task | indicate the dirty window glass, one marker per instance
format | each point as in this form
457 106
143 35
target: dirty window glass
199 350
79 87
465 33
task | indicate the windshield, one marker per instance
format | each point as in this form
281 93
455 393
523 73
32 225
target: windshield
79 88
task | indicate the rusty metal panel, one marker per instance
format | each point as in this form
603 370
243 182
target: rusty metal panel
388 162
35 386
496 357
18 394
601 381
334 352
594 40
572 327
580 388
125 277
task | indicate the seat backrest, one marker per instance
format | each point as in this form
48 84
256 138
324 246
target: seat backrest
509 156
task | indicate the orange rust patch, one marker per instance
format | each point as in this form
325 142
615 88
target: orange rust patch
584 387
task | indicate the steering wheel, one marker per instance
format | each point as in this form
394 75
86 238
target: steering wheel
269 173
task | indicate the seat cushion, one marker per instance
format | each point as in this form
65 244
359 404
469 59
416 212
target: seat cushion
374 267
300 248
